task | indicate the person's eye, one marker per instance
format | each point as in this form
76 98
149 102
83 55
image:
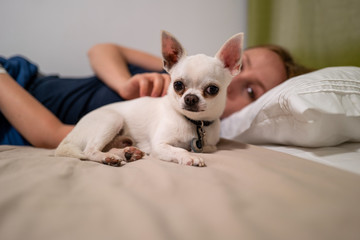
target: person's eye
251 93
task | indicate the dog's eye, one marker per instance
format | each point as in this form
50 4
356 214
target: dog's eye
179 86
212 90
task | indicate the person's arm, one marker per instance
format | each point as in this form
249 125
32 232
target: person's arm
109 62
34 122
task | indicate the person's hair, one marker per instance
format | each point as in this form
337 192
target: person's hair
292 68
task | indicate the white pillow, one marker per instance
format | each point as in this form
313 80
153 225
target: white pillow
317 109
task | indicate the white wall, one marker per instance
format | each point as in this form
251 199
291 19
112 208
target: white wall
57 34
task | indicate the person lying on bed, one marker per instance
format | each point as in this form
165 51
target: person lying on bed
41 110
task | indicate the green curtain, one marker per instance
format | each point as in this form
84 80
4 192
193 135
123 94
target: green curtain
318 33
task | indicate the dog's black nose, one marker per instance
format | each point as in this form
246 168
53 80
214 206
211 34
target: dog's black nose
191 100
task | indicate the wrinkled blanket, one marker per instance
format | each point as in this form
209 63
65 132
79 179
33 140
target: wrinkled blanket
245 192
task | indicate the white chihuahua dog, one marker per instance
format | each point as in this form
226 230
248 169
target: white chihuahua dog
186 119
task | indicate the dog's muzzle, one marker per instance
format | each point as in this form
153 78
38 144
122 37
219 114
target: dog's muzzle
191 103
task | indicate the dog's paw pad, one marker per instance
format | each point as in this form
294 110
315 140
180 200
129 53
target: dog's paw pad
128 156
132 154
113 161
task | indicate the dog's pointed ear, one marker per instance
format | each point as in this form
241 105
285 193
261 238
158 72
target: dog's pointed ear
172 50
230 53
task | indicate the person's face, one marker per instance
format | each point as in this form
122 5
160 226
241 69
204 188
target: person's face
261 70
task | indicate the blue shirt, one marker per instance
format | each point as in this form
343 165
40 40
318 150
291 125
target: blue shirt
68 98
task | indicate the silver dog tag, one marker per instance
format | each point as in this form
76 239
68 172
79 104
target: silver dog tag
197 144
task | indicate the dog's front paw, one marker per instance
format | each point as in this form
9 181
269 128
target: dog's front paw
193 161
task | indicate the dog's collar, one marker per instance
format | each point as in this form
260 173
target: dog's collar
197 144
200 123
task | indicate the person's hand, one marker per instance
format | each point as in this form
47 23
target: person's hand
145 84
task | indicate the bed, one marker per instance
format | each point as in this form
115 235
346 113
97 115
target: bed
290 171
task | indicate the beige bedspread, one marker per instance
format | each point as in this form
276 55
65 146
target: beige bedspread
245 192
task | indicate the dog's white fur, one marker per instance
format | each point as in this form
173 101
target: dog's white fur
158 126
